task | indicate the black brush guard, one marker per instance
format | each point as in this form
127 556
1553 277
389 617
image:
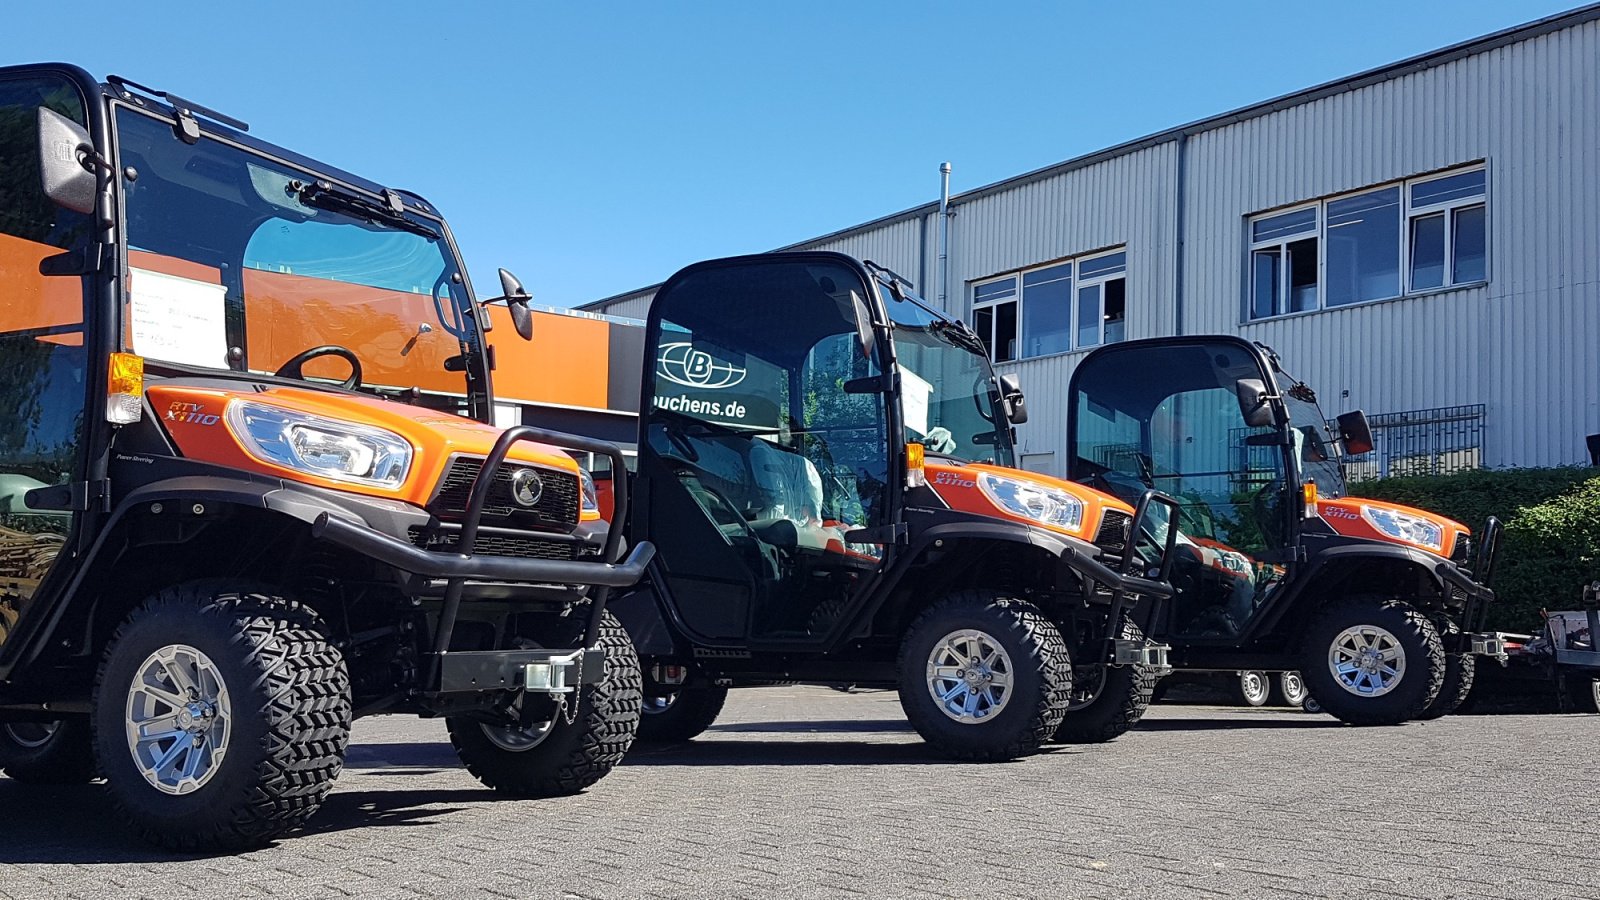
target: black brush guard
472 671
1156 585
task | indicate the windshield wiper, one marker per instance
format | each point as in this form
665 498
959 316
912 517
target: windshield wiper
325 195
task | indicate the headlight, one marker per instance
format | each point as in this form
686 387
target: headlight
1031 500
1405 527
342 451
591 503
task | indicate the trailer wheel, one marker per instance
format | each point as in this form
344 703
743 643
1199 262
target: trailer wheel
1288 689
59 752
984 676
221 717
1253 688
1107 701
1369 661
681 716
556 758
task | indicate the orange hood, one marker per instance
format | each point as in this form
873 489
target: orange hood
197 420
1344 515
958 485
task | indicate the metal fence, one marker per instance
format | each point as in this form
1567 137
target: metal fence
1437 441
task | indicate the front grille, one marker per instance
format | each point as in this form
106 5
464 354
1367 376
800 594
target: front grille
1461 553
518 546
557 507
1112 538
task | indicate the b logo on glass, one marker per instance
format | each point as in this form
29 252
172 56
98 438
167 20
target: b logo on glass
682 364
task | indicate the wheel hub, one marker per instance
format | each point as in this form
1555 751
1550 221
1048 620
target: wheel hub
1367 660
178 719
969 676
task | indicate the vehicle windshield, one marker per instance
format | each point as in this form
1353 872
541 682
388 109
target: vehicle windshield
239 262
948 394
1313 444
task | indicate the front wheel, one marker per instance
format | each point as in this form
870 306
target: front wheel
1107 701
681 716
221 717
59 752
556 757
984 677
1372 662
1252 689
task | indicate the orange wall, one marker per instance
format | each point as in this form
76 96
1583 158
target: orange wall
567 362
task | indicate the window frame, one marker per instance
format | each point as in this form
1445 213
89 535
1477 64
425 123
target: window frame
1017 298
1408 215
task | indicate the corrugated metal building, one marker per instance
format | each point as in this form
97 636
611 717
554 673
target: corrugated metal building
1421 241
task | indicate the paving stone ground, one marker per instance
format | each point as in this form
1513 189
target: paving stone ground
806 792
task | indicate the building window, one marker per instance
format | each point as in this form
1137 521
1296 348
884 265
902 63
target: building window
1448 234
1063 306
1354 248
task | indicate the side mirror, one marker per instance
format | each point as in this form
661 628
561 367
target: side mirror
1254 404
66 167
1011 395
1354 433
516 300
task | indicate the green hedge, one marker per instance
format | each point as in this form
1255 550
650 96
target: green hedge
1552 519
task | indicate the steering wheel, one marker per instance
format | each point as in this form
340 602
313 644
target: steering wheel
291 369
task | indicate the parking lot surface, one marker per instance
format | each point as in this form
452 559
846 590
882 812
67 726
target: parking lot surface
808 792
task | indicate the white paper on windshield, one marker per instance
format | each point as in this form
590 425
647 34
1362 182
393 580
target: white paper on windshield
914 396
178 320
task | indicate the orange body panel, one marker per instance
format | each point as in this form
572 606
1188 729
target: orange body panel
289 314
196 418
958 486
568 361
34 300
1344 516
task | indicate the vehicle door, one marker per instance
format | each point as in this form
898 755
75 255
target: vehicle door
755 464
1170 419
43 361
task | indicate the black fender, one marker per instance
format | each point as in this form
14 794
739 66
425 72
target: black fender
1308 587
1077 564
294 502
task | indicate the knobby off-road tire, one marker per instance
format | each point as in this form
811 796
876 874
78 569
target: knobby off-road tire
1015 645
1459 671
281 716
563 757
1252 688
58 752
1107 701
1366 622
681 716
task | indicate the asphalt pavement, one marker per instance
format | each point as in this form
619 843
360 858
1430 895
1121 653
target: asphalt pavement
807 792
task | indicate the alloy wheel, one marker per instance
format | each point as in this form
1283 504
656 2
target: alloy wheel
969 676
1367 661
179 719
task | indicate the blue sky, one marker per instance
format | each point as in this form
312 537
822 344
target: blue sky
593 148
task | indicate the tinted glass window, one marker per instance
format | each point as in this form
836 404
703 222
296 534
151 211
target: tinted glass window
1364 247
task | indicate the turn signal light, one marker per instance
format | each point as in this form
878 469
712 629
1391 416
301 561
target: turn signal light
915 477
1309 492
125 389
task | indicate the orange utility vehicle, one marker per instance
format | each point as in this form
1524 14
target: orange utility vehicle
826 468
1377 606
249 495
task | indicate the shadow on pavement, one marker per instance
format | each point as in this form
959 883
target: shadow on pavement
1231 724
711 752
807 727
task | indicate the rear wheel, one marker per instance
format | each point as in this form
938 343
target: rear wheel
1107 700
681 716
984 677
1288 689
1582 693
1253 688
556 757
221 717
1459 671
58 752
1372 662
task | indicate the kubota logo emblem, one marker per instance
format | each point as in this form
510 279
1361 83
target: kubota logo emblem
682 364
526 487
